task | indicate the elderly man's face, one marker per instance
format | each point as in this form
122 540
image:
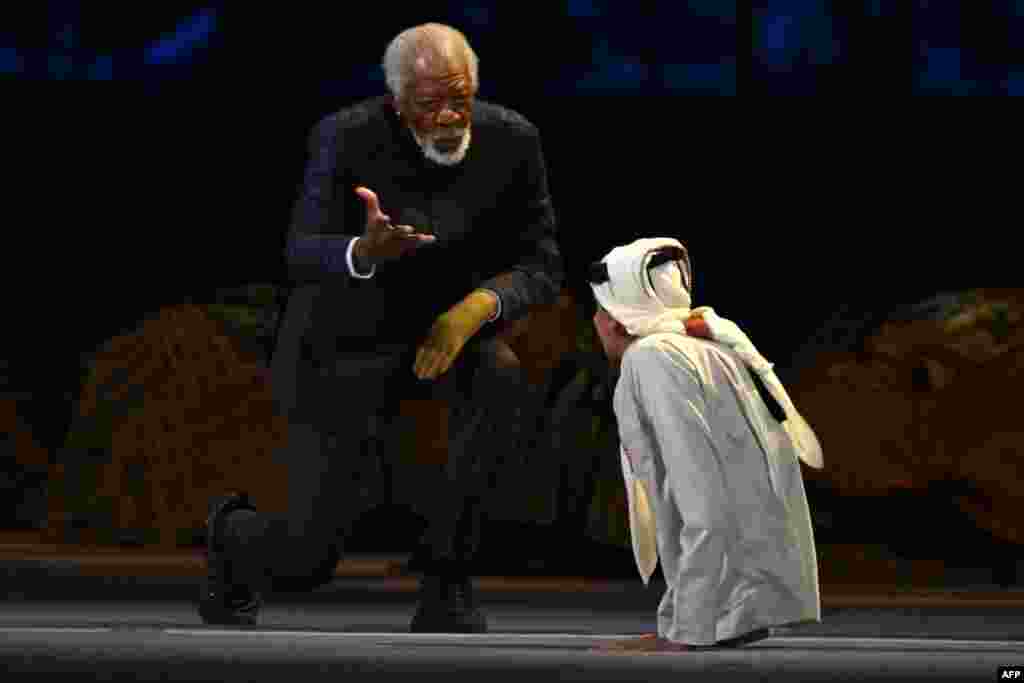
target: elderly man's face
438 107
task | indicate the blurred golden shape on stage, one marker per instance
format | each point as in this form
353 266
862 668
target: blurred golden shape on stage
926 401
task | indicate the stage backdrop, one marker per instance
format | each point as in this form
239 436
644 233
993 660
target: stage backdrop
160 153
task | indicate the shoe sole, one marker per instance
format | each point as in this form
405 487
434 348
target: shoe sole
215 616
431 624
213 613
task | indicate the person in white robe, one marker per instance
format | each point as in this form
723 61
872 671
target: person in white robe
711 447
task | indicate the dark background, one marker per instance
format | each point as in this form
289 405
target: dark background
156 141
156 154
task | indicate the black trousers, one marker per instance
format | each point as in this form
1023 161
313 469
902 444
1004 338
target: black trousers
338 400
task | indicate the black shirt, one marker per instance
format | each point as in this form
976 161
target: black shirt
491 214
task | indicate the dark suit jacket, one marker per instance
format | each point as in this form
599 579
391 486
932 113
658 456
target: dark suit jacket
492 215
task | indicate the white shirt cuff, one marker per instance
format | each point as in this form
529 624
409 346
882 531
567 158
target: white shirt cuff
497 311
351 264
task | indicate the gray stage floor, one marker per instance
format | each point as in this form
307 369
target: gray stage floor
346 633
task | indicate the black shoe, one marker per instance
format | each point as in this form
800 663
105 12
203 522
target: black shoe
447 606
223 601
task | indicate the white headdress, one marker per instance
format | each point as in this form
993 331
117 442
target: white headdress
646 285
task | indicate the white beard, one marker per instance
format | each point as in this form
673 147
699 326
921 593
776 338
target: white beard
433 154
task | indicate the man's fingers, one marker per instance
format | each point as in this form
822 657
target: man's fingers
429 363
435 366
412 238
370 197
415 239
420 367
410 232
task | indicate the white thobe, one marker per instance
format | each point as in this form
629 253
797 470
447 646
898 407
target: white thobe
731 522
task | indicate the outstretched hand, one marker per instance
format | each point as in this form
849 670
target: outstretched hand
383 241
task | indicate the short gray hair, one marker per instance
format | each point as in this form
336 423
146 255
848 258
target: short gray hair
403 51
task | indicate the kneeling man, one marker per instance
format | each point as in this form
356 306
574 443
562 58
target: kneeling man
710 443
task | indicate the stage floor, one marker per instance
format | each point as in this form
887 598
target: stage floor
351 631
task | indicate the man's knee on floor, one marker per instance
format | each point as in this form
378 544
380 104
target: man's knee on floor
306 570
